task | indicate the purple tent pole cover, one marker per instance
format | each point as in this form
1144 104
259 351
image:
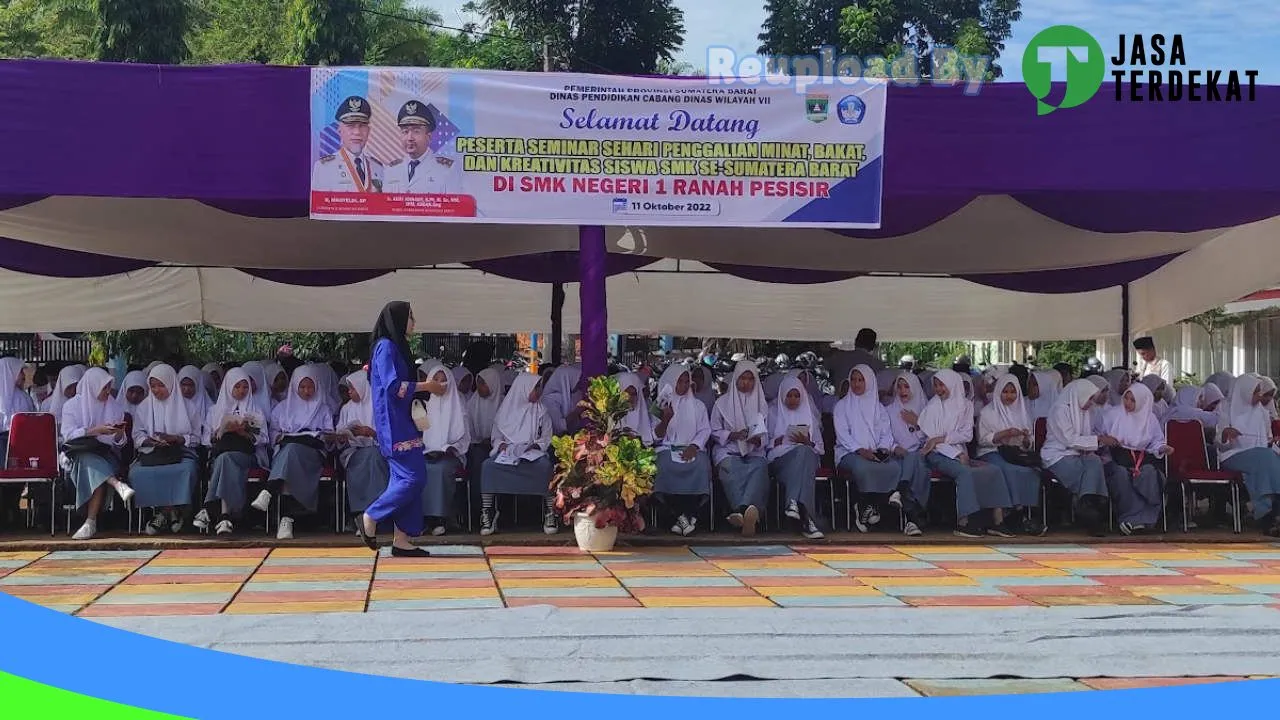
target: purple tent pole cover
592 261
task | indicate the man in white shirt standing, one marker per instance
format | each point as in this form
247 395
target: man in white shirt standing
1149 363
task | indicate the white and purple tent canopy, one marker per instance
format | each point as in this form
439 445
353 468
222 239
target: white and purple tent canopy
144 196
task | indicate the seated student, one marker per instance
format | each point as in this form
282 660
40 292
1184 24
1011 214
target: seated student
191 385
482 409
886 381
704 386
638 422
299 428
1100 409
947 422
133 391
63 390
13 400
1188 405
466 382
1223 381
795 452
561 399
366 470
1246 445
1070 451
41 388
1161 394
165 472
740 423
213 374
1134 479
864 446
277 382
912 495
1043 388
683 483
1005 424
518 464
260 386
93 433
238 435
445 443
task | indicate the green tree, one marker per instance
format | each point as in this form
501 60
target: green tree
47 28
613 36
935 354
1073 352
890 28
145 32
325 32
798 27
239 31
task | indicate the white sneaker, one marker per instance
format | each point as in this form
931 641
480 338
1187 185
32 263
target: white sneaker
549 524
810 530
157 524
793 510
488 522
262 502
86 531
912 530
683 527
896 499
125 492
285 531
225 528
857 519
175 527
438 530
870 516
201 520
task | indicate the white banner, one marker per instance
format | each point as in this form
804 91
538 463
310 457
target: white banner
413 144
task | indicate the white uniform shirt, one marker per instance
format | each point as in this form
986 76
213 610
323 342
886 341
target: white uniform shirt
434 174
338 173
1159 367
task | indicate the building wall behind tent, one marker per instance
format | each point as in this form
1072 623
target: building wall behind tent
1253 346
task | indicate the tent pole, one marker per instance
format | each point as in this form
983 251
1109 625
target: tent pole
557 322
592 257
1125 340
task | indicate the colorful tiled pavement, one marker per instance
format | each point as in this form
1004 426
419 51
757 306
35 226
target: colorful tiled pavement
308 580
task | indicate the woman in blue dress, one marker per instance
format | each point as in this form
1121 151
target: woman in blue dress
392 383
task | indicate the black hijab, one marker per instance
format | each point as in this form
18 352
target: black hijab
393 324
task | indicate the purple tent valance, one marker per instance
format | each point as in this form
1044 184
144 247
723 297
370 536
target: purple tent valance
1103 166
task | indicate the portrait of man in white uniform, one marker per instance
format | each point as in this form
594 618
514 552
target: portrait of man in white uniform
350 169
421 171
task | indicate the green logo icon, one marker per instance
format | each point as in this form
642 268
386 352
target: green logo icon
1063 47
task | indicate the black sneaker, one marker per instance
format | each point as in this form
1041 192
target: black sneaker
550 524
857 518
1000 532
967 532
488 522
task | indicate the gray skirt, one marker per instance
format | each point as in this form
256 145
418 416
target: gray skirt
1138 499
915 475
1023 482
229 480
442 476
530 477
1081 475
796 472
1260 470
691 478
367 477
873 478
978 487
299 466
164 485
87 471
745 481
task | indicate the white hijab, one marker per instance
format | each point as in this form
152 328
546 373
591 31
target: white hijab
168 416
885 380
68 376
85 410
198 406
213 375
1253 422
638 419
1140 429
358 412
781 417
941 417
271 371
707 395
559 394
1116 385
257 373
1076 396
133 379
482 411
1049 383
295 416
446 414
1223 380
12 398
742 411
859 412
459 373
518 419
689 423
902 434
770 386
227 406
1003 417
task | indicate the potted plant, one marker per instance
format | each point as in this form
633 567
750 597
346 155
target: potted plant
602 471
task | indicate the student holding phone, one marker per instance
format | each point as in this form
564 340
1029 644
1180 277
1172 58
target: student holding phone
795 451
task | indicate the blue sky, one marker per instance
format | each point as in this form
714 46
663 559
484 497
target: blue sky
1217 34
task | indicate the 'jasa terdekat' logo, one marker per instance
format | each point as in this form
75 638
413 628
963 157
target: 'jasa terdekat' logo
1144 69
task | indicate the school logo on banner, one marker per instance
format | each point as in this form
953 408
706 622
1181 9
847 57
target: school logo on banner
815 107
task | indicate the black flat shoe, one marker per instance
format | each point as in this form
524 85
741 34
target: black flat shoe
370 541
409 552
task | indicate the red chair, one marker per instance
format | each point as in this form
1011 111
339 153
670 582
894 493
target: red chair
33 456
1275 428
1189 467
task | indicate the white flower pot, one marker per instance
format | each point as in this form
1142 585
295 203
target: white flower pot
591 538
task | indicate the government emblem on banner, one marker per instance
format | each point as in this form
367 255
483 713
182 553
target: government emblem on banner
620 205
815 107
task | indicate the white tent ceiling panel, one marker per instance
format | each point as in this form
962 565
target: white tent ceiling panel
154 297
